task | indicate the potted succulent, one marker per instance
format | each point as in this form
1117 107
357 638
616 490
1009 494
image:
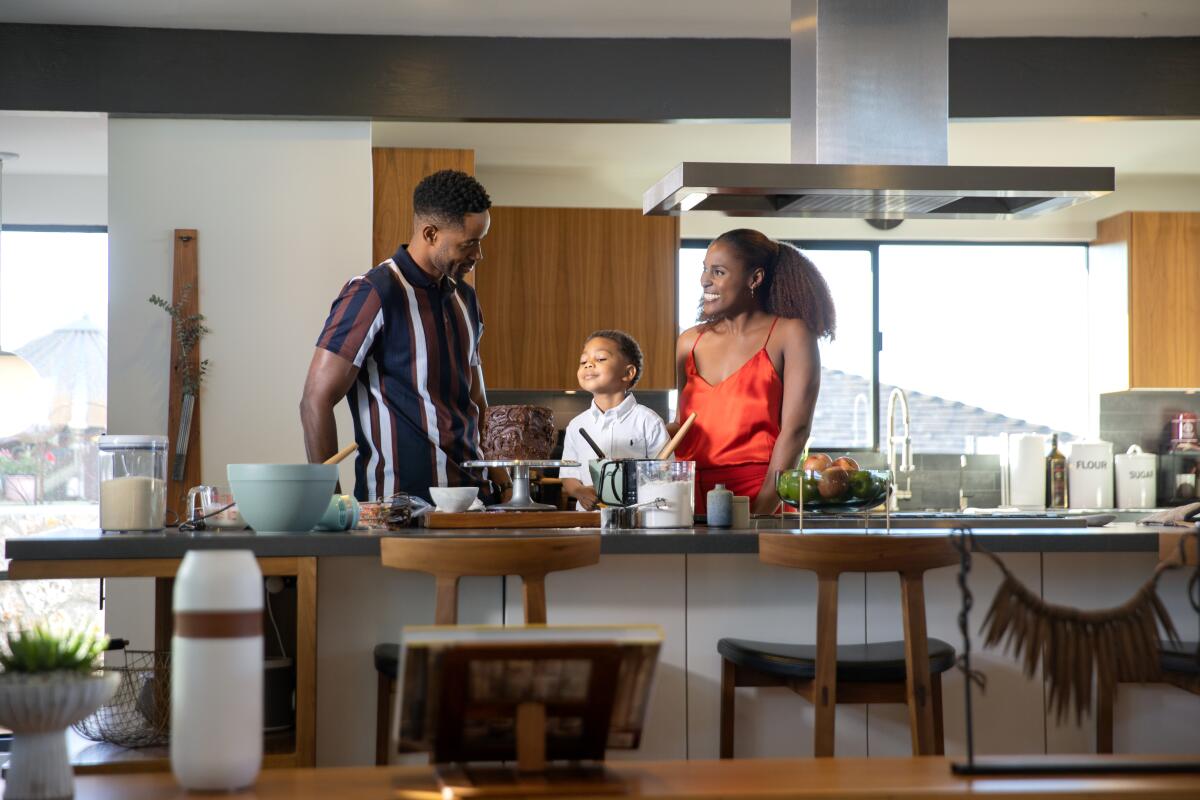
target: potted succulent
48 680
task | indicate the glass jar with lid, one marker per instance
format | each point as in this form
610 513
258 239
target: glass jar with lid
133 482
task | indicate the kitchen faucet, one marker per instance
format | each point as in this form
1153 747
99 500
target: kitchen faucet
906 462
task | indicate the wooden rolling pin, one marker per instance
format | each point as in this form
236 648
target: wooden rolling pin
677 438
337 457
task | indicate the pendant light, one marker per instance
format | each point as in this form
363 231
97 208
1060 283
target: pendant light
19 381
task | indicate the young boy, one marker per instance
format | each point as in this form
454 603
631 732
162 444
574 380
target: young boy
609 367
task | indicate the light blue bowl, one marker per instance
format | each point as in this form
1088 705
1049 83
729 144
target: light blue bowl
282 497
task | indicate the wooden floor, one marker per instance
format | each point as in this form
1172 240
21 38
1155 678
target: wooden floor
876 778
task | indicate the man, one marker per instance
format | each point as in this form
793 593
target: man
402 344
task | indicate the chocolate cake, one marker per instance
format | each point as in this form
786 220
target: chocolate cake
525 433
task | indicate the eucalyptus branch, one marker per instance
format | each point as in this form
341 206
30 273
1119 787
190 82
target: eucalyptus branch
189 330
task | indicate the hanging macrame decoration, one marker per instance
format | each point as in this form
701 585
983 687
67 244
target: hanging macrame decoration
1072 645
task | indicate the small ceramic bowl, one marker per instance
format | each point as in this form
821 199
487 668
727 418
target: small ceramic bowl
453 498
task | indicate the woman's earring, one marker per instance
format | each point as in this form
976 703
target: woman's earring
752 291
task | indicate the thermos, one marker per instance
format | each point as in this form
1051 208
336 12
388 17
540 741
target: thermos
217 671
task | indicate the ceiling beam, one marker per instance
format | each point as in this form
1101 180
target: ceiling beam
203 73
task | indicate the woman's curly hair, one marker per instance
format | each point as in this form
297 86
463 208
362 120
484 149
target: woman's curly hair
792 286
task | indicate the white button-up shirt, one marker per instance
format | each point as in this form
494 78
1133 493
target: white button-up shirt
630 430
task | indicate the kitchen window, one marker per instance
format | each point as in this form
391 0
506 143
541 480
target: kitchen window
977 335
54 314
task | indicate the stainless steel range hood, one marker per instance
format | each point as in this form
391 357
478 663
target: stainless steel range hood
870 115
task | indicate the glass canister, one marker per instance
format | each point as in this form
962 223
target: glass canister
672 483
133 482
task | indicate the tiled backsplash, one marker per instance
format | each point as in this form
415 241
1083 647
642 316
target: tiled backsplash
938 477
1143 417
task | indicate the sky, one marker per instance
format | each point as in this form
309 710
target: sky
48 280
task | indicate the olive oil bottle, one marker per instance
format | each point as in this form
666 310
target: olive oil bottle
1056 476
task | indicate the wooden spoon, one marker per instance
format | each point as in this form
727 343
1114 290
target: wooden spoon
592 444
677 438
337 457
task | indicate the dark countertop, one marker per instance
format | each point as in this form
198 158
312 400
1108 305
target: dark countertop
67 544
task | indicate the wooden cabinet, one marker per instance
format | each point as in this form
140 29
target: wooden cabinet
1151 262
551 276
397 171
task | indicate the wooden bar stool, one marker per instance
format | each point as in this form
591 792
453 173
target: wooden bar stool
1177 667
885 672
1176 662
449 559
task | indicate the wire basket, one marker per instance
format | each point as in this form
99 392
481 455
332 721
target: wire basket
138 715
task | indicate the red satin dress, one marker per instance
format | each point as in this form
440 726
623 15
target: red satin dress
737 423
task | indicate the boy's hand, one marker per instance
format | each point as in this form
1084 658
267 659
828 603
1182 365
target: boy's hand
586 497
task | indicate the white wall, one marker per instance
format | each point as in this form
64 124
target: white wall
283 214
55 199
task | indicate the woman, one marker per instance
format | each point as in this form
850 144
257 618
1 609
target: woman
751 370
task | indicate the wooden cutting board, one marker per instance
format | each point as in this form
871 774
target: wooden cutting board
513 519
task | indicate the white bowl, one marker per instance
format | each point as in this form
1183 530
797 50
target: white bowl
453 498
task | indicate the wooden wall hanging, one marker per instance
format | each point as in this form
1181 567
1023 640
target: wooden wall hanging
185 288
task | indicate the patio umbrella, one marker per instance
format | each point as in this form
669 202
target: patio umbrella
73 362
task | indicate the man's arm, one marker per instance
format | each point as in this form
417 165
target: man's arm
497 475
329 379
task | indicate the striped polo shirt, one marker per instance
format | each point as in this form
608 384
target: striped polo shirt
415 341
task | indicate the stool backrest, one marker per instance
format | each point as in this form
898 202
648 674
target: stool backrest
829 555
448 559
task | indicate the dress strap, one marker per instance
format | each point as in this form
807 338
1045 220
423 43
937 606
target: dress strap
692 352
773 324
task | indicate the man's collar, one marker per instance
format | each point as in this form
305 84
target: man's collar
417 276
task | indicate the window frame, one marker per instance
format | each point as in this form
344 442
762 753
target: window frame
872 246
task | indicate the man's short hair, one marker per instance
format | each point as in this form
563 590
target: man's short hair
446 197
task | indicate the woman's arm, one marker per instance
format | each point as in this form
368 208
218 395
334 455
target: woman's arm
801 382
683 346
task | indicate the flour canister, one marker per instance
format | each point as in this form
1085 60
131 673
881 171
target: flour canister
1137 479
1090 475
217 671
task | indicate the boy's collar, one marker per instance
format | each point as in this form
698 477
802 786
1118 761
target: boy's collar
620 411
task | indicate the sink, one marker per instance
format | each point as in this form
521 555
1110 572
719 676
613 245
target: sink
941 519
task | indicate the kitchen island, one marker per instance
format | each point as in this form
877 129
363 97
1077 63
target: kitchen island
699 585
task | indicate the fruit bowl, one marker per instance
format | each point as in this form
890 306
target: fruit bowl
832 488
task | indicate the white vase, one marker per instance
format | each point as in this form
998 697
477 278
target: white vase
37 708
217 671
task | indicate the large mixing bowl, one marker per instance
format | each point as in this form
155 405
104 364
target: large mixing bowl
282 497
833 489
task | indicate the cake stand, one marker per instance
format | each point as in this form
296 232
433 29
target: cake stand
518 470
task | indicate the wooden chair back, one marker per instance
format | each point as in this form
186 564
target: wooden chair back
448 559
829 555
